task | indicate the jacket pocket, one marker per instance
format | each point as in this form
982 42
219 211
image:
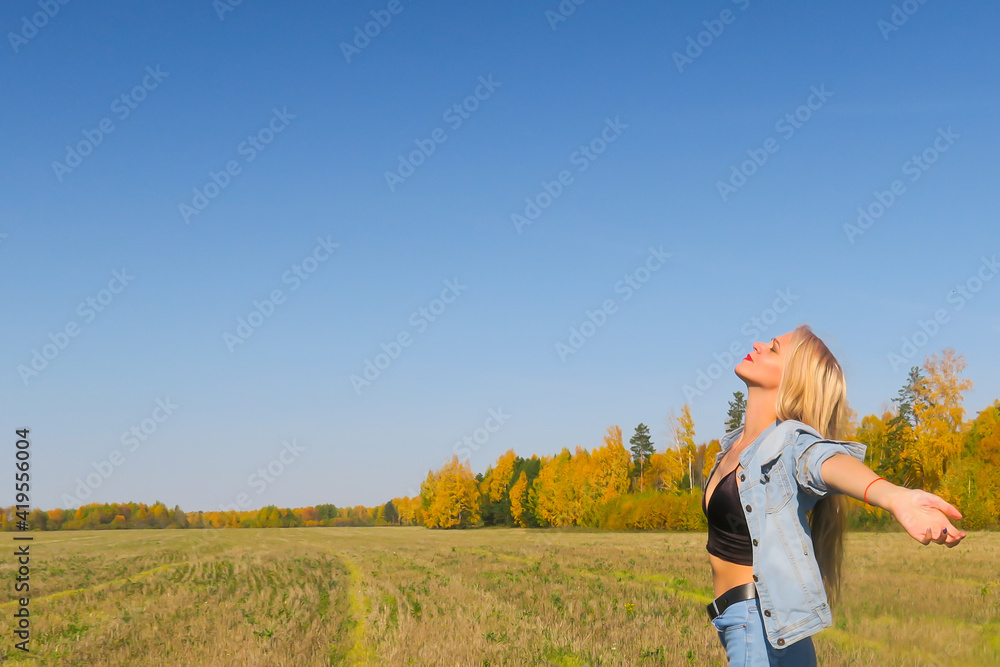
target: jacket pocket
778 485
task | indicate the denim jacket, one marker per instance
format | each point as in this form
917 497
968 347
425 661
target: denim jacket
780 481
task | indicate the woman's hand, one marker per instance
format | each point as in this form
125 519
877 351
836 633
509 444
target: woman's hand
925 517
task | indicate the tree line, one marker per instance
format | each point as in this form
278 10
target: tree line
105 516
922 440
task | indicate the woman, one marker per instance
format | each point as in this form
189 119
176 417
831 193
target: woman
775 569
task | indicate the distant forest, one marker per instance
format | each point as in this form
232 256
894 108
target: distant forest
923 441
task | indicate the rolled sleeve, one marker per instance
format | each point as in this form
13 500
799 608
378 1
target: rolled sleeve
811 452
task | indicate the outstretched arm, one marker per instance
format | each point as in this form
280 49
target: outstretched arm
923 515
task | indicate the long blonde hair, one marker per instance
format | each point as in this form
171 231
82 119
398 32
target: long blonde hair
813 391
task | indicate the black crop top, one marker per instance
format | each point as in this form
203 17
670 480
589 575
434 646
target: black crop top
728 533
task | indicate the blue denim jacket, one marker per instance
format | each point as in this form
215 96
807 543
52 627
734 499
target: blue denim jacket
780 482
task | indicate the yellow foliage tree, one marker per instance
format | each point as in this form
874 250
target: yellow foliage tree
569 488
983 440
682 462
666 469
940 416
972 483
408 510
611 465
518 496
874 432
452 496
502 473
552 493
712 450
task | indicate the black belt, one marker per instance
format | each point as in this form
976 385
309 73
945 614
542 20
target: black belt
745 591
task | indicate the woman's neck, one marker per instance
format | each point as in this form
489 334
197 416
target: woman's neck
760 414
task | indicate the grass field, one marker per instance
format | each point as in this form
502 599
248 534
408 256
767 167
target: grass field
413 596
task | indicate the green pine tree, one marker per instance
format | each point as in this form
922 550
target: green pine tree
642 448
737 408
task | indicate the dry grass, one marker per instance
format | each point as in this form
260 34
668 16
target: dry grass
412 596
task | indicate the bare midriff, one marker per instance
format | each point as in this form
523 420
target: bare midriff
726 575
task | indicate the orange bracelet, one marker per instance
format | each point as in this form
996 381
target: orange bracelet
869 484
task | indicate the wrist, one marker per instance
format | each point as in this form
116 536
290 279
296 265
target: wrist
883 493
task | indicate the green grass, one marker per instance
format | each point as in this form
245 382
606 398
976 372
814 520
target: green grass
412 596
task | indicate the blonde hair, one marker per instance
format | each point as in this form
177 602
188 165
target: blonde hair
813 391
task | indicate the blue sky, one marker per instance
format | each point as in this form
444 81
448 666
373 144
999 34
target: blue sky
618 123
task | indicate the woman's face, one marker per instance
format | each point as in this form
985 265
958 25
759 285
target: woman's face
762 367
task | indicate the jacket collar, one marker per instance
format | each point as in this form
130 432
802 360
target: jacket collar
727 440
769 444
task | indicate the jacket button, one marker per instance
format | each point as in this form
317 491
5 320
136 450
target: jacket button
749 509
743 478
755 578
755 542
781 642
767 612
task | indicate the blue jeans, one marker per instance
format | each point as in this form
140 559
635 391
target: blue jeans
741 631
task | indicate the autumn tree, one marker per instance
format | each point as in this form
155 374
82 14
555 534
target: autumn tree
874 432
518 499
451 496
495 501
666 469
704 459
982 441
530 468
940 416
682 430
501 475
553 496
610 466
972 482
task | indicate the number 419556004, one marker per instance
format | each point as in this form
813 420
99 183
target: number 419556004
22 476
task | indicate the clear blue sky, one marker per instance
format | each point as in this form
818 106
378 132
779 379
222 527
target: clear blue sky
672 131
